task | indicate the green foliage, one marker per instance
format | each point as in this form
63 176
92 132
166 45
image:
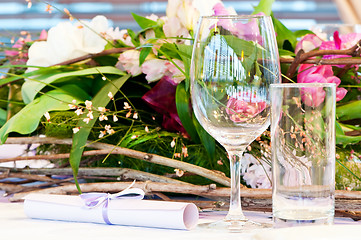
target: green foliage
33 86
27 120
264 6
80 139
61 124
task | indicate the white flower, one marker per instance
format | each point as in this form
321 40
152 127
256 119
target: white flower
102 117
172 144
189 11
179 172
86 120
88 104
135 115
67 41
47 116
79 111
122 35
76 129
110 95
73 105
90 115
126 106
255 174
102 109
111 131
115 118
102 133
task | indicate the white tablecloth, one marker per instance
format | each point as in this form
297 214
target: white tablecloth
15 225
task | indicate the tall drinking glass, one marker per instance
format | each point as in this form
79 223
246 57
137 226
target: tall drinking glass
234 61
303 153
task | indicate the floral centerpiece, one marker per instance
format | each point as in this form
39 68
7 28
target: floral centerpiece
93 82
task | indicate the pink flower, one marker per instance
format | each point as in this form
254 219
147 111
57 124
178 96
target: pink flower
308 43
129 61
340 42
176 75
19 54
162 99
308 73
43 35
154 69
248 31
244 107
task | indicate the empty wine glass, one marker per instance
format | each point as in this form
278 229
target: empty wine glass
234 61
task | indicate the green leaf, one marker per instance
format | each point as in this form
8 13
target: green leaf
264 6
144 22
144 54
185 52
242 46
32 87
3 115
170 50
301 33
343 139
182 100
283 34
81 137
285 53
27 119
14 78
349 111
207 140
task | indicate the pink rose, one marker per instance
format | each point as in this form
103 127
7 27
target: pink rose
308 73
308 43
244 108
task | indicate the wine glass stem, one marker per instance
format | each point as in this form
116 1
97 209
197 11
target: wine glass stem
235 212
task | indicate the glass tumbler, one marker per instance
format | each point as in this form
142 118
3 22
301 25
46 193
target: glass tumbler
303 153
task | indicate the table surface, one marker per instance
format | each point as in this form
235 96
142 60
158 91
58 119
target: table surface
15 225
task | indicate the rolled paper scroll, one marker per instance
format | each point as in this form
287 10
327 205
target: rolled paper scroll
112 209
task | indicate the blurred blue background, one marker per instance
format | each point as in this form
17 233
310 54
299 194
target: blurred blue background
16 16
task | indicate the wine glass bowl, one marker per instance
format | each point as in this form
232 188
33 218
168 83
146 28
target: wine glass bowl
234 61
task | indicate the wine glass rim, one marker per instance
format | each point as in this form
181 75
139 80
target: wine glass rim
243 16
301 85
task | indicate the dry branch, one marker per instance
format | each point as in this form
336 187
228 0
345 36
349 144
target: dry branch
122 173
153 158
306 57
94 55
348 204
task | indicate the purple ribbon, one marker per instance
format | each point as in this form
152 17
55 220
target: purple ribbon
93 200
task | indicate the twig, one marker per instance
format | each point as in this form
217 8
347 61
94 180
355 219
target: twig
93 55
153 158
150 187
123 173
306 58
26 176
54 156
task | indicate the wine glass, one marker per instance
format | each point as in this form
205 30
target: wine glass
234 61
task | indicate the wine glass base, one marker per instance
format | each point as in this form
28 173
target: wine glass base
234 225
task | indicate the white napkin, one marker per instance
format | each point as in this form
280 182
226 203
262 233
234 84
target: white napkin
331 232
132 212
